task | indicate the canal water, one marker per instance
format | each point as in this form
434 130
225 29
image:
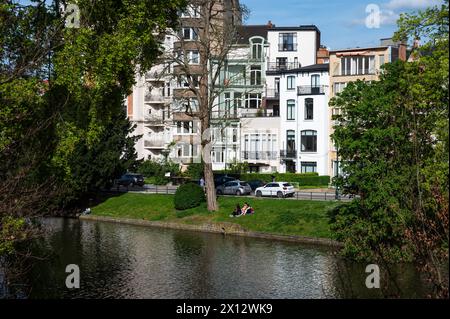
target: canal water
124 261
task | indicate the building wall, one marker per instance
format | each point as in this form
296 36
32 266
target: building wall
306 52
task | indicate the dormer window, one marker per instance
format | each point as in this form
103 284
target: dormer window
257 49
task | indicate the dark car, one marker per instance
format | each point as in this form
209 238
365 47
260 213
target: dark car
220 180
234 188
131 179
254 184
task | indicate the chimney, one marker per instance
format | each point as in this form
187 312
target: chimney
402 51
270 24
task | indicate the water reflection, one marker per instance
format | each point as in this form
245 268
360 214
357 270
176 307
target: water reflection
121 261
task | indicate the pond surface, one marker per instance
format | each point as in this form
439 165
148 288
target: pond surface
124 261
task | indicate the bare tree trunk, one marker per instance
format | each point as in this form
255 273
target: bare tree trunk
211 198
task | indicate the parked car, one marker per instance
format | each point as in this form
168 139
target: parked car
254 184
234 188
131 179
279 189
220 180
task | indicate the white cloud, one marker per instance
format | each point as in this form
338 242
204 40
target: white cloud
412 4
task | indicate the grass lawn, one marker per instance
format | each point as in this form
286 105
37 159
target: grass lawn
287 217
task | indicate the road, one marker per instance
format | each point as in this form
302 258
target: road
170 190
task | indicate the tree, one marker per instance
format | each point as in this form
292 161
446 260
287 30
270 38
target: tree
63 131
214 26
393 142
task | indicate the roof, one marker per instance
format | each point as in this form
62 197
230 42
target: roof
248 31
360 49
310 68
296 28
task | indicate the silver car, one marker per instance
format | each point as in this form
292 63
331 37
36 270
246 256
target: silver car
234 188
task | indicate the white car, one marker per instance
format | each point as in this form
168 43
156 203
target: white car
278 189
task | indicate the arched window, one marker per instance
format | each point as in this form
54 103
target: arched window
290 140
257 48
309 141
290 115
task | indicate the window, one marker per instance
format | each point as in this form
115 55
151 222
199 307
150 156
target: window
291 82
189 34
290 110
308 167
193 57
253 101
187 150
257 48
290 140
309 141
281 63
236 75
191 11
315 80
309 109
287 42
186 127
339 87
358 65
255 75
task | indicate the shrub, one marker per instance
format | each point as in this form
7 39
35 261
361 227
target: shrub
188 195
194 170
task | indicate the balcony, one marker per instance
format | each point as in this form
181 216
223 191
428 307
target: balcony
155 120
154 77
259 156
286 47
311 90
272 94
284 66
288 154
155 98
157 143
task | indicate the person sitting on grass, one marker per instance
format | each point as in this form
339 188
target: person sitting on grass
237 211
247 209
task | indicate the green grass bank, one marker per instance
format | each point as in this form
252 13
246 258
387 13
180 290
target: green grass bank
273 216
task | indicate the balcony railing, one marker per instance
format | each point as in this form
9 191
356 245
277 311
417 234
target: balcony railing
311 90
155 120
277 66
259 155
288 154
155 143
287 46
154 98
272 93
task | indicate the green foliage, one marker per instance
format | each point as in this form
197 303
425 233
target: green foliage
392 138
194 171
155 171
188 195
12 230
239 168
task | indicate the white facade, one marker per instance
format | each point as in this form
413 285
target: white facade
272 111
304 121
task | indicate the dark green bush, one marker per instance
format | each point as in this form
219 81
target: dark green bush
188 195
194 170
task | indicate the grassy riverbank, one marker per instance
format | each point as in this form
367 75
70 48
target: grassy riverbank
285 217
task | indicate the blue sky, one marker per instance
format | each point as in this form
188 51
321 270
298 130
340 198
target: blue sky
341 22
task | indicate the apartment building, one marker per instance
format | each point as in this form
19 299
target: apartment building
348 65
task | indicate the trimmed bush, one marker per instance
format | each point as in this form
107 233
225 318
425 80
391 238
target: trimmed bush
188 196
